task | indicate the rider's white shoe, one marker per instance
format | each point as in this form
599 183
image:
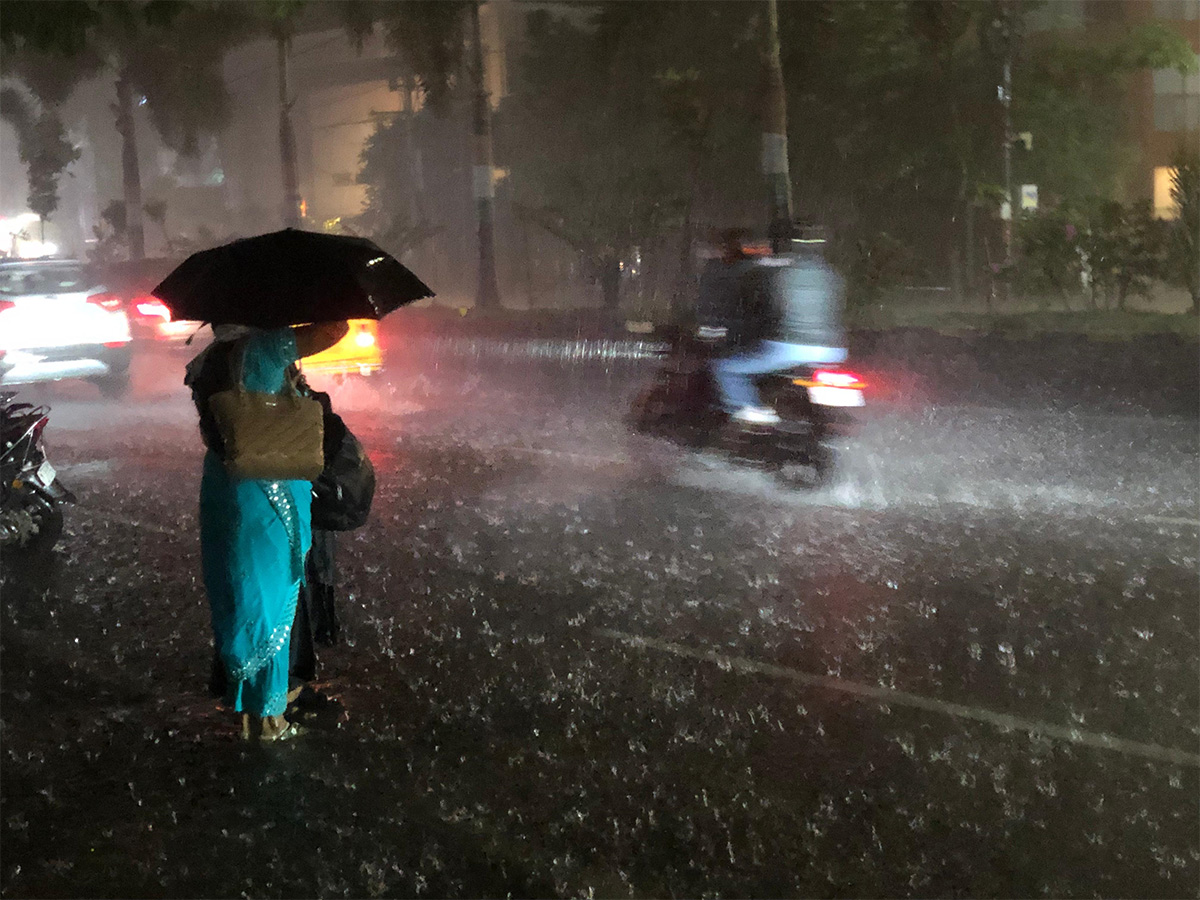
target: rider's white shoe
756 415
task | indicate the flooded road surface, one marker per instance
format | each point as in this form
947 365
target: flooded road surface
583 662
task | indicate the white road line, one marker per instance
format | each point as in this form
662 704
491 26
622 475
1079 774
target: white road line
1172 520
903 698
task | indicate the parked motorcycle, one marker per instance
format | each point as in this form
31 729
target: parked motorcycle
31 495
815 405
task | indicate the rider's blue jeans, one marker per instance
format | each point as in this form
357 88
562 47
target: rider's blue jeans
735 374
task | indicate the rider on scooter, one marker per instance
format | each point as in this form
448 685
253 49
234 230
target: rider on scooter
773 313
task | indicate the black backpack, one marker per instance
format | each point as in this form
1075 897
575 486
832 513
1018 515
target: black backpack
343 492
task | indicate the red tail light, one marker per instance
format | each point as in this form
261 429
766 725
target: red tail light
6 304
152 306
38 426
839 378
110 302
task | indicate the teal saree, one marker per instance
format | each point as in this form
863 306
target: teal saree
254 536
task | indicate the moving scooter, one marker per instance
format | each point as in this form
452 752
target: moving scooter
815 403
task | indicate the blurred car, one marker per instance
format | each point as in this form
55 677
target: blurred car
58 322
357 353
132 281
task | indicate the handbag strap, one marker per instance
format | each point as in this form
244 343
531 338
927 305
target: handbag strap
291 378
237 362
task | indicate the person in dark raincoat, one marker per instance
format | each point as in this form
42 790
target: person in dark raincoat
780 311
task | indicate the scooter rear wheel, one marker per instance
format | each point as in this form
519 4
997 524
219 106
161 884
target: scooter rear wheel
817 472
650 408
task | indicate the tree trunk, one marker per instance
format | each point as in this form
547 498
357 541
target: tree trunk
775 144
287 140
610 281
131 177
487 294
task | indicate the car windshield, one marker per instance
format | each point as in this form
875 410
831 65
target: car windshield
18 281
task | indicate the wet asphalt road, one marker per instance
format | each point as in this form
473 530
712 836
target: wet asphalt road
581 662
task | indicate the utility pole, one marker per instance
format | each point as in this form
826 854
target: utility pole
487 294
775 143
1006 99
287 136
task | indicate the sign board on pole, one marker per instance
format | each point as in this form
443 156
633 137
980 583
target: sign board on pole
1029 197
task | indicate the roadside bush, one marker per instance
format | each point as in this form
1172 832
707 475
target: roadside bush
1106 254
1123 253
1051 256
111 244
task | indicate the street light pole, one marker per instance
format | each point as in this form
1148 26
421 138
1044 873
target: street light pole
1004 32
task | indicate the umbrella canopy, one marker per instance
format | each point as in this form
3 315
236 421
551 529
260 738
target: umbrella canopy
289 277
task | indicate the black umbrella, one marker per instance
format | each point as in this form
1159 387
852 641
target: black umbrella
289 277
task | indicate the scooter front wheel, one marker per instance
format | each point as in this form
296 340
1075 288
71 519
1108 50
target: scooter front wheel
34 526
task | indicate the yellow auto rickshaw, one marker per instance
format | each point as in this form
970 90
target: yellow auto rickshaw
357 353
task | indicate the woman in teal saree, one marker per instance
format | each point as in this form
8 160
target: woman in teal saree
254 534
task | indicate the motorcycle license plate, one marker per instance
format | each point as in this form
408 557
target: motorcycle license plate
46 473
821 395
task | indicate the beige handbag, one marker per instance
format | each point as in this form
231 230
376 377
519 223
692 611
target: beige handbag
275 437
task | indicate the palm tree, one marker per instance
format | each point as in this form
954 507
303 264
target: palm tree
167 57
164 56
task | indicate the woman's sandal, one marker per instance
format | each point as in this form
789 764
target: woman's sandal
277 728
267 728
